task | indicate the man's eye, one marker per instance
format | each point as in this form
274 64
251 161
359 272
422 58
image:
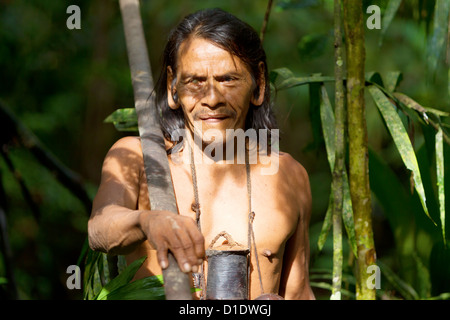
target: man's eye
195 82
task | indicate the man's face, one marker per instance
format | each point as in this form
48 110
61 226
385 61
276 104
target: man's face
214 89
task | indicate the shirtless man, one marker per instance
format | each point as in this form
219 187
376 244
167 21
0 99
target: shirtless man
214 78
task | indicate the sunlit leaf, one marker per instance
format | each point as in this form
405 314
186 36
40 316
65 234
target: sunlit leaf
327 222
149 288
401 140
122 279
327 120
93 269
124 119
392 79
440 178
328 127
412 104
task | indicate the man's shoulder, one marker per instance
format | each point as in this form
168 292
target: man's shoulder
128 142
125 151
290 165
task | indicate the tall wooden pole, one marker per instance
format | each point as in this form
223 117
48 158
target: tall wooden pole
160 188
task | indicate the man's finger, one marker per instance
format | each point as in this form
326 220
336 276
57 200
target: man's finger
183 249
162 256
199 244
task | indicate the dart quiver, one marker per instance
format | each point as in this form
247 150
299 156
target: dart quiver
228 270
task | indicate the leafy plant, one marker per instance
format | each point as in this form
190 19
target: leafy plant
120 287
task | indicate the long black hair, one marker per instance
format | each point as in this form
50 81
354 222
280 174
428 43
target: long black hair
231 34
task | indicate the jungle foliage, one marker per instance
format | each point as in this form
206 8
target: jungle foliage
64 84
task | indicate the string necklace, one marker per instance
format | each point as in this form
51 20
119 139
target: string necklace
199 277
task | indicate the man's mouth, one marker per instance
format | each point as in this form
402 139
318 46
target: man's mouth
213 118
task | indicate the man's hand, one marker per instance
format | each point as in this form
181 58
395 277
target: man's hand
179 234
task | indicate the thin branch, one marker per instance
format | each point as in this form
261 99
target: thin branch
23 187
338 171
266 20
15 131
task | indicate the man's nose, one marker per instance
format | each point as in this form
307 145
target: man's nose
212 98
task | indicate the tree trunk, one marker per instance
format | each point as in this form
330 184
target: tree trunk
358 151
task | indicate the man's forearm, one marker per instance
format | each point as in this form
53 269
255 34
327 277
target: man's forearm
115 230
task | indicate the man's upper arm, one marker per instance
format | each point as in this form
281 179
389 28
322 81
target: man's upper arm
113 214
295 274
120 175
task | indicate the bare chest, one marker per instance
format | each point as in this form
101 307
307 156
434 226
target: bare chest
226 201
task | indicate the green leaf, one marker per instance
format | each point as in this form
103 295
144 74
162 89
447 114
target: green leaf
283 78
283 72
437 41
122 279
442 296
388 16
347 215
149 288
93 269
401 286
412 104
327 222
327 119
328 127
392 79
314 115
440 178
374 77
124 119
299 81
327 286
401 140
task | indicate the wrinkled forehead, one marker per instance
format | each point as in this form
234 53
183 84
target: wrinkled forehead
195 54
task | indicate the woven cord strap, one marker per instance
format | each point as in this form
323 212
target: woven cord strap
199 277
251 216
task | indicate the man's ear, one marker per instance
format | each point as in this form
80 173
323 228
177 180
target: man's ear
172 99
258 96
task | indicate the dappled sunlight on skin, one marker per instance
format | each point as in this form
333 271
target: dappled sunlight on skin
215 91
223 202
213 88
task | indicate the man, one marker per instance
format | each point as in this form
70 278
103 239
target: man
214 82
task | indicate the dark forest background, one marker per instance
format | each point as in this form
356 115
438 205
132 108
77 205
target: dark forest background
58 85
